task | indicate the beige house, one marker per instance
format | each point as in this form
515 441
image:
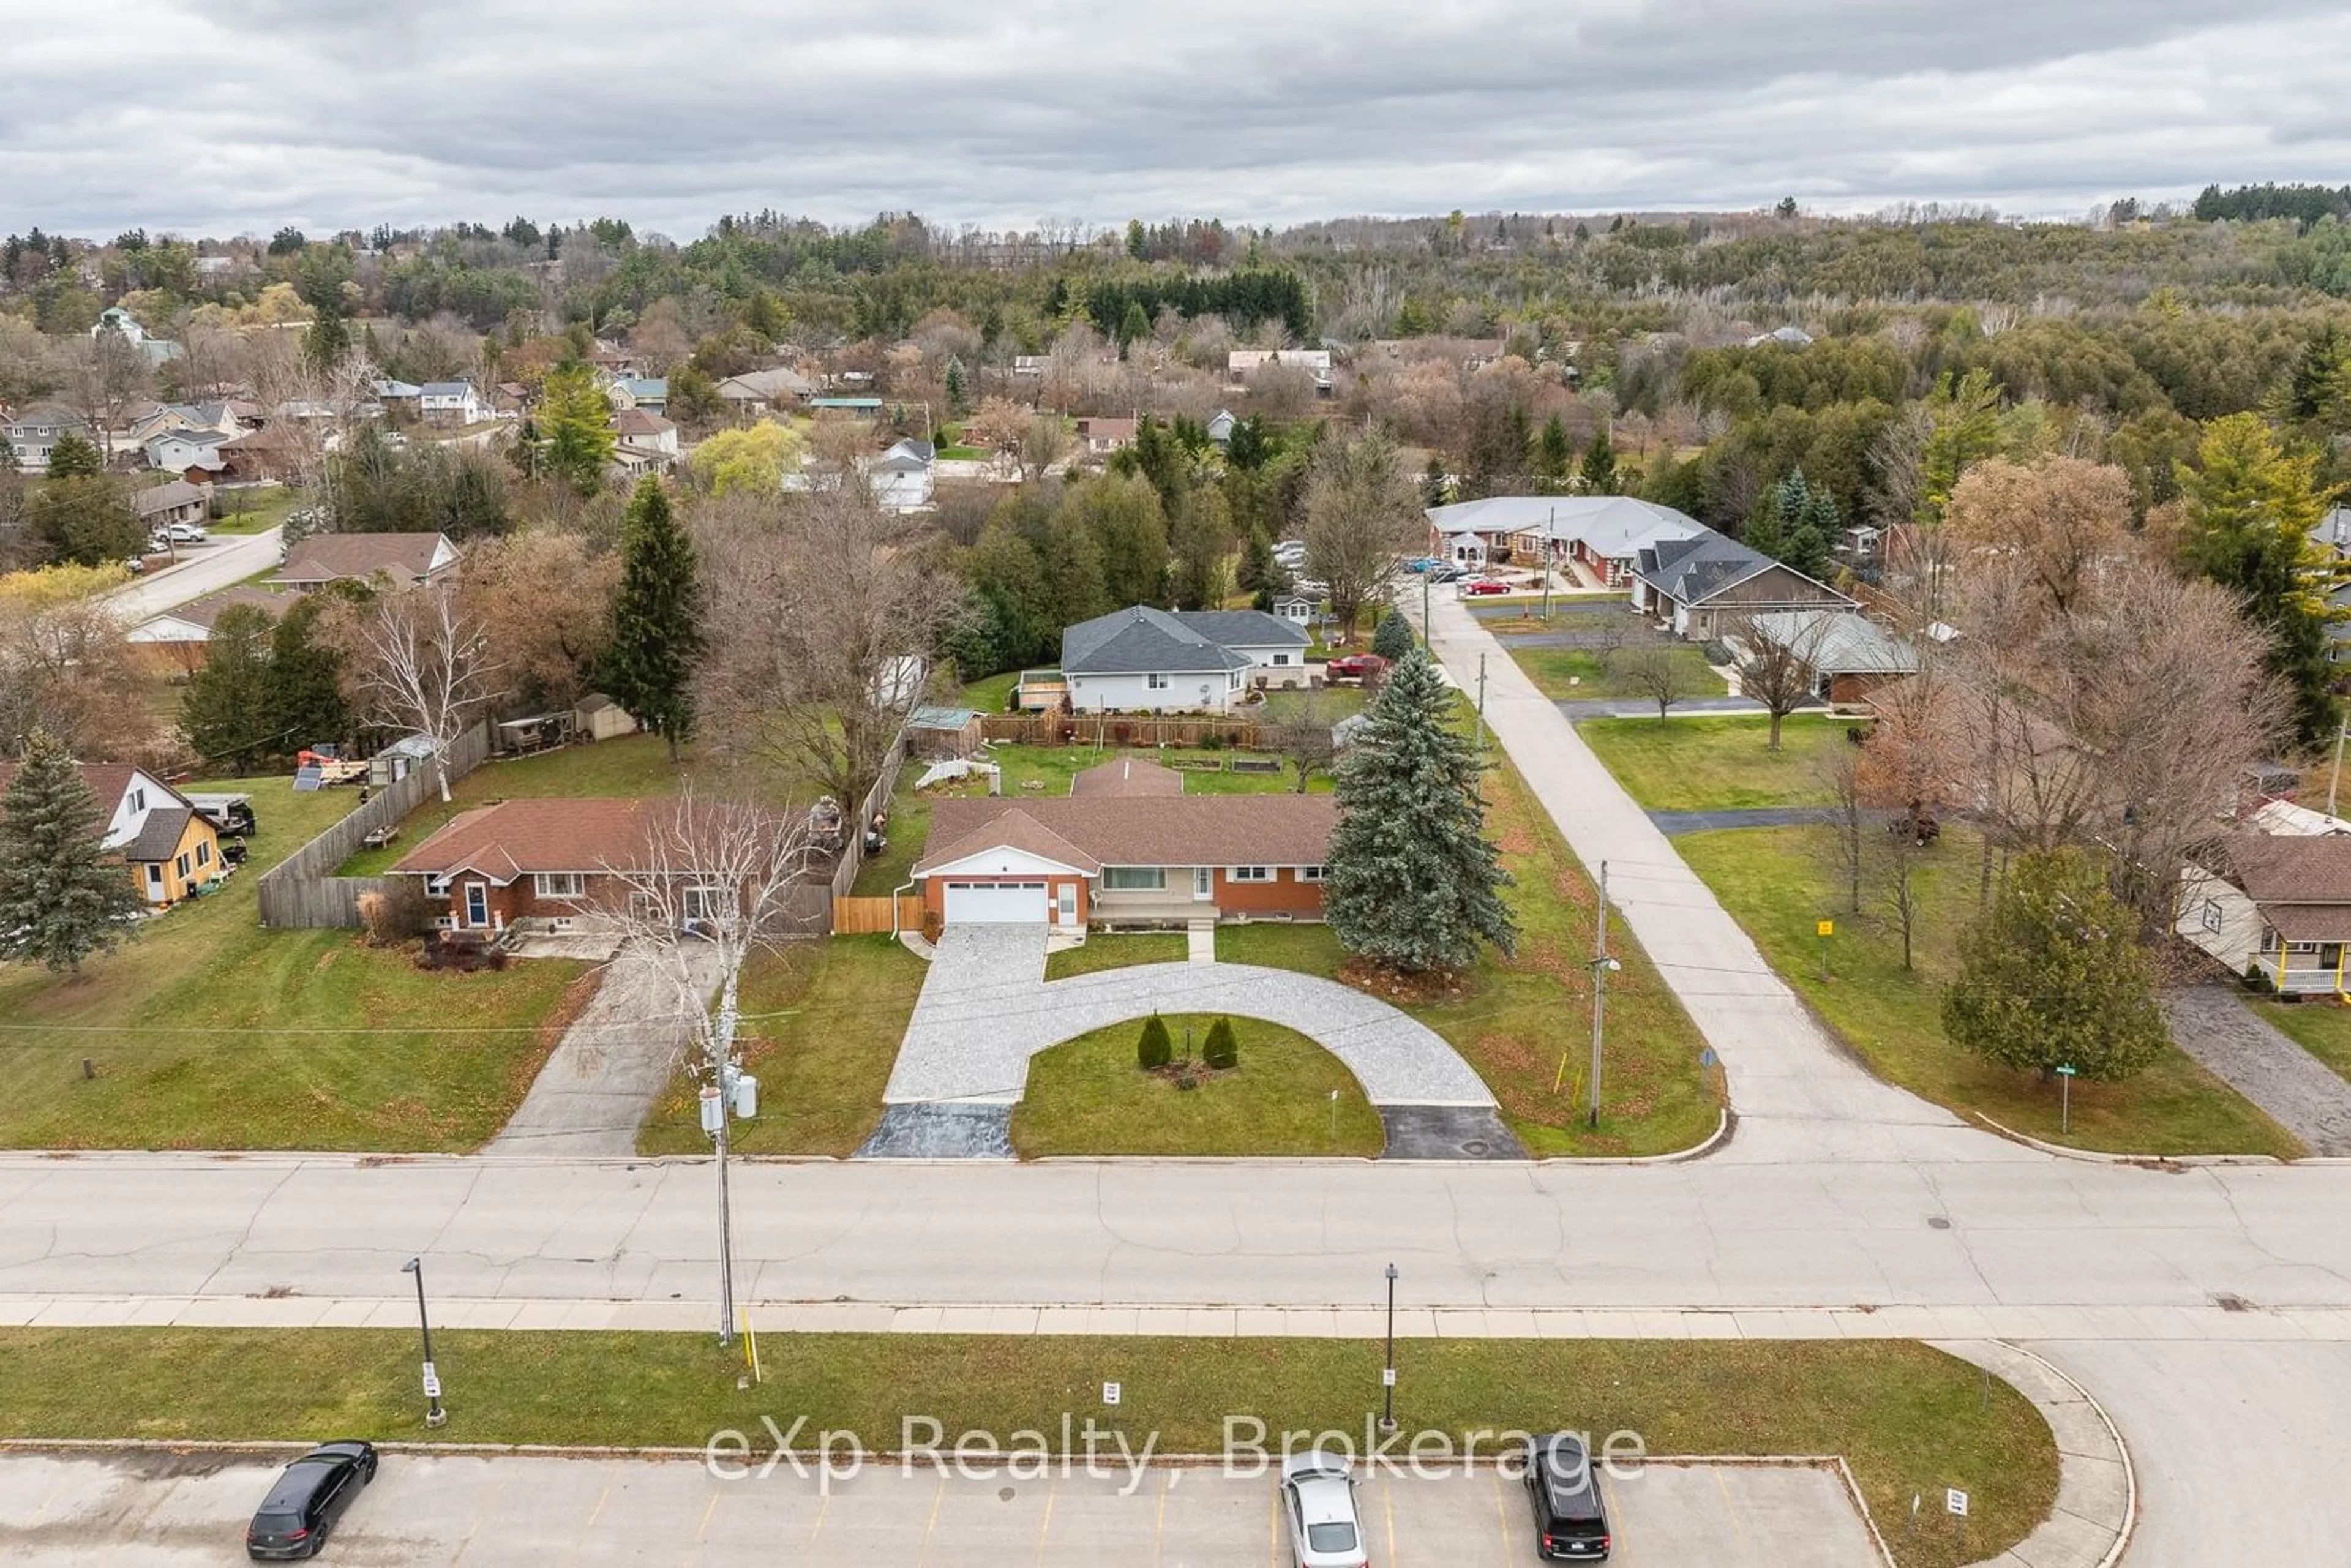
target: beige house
2280 906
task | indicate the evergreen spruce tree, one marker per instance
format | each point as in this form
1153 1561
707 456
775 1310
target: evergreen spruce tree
75 456
61 896
1392 639
1436 487
2054 976
1599 469
1554 456
225 711
1154 1049
648 668
305 702
1221 1049
575 429
1412 882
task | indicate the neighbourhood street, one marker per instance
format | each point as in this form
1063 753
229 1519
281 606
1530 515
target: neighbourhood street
207 568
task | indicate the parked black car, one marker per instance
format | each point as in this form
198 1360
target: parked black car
309 1497
1571 1521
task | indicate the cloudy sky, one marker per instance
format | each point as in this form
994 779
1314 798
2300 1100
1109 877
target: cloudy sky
241 115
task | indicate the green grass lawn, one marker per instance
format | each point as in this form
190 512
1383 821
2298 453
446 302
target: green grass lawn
1570 674
1052 766
1116 950
821 1025
1773 881
252 511
629 765
2320 1028
1087 1096
991 694
910 825
1905 1417
1514 1018
211 1032
1717 763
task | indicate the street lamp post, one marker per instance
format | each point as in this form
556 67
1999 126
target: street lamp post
1387 1372
433 1414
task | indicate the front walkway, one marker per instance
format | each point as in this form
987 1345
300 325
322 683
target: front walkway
985 1009
2300 1092
612 1063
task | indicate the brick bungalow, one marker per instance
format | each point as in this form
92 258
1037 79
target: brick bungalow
557 861
1126 846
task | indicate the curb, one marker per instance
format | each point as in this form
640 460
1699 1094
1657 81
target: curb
2096 1156
2068 1538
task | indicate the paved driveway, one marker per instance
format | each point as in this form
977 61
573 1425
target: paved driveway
612 1064
985 1009
157 1510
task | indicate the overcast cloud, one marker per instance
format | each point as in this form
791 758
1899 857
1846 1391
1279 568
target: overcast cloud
241 115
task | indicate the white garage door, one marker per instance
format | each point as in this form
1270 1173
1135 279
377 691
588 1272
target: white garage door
997 902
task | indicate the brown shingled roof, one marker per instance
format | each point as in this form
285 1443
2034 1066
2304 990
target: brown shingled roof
1127 776
1128 829
2304 872
1013 828
329 557
516 838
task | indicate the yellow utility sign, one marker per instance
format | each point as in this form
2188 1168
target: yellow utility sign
1826 928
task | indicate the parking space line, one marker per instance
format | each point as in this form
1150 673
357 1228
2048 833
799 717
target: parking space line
481 1515
1388 1512
1730 1508
1501 1512
931 1528
1045 1525
703 1529
1159 1520
823 1505
1273 1527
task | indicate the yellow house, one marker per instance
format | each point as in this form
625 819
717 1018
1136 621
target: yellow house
168 845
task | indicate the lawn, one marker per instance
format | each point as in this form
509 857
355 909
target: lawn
629 765
1717 763
991 695
1905 1417
1774 883
1087 1096
2320 1028
1205 772
821 1022
1572 674
252 511
210 1033
910 824
1515 1018
1116 950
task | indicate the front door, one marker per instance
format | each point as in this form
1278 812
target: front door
1065 911
1204 883
477 904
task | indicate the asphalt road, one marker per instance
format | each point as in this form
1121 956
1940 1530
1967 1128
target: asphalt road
207 568
164 1511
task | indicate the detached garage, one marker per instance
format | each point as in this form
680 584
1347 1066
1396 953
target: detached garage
996 903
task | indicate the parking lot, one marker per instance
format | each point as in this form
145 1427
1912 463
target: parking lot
150 1509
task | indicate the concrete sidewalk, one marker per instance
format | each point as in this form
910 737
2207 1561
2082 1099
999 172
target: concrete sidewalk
1797 1091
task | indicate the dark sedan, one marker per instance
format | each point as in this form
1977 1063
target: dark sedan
308 1500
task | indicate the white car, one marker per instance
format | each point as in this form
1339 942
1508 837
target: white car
187 533
1318 1495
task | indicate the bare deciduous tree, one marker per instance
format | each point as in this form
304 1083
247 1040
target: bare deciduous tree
416 659
1043 440
1652 669
1840 774
1361 513
1778 662
2056 521
824 613
1303 735
546 604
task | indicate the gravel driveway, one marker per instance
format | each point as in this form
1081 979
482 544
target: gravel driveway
2301 1092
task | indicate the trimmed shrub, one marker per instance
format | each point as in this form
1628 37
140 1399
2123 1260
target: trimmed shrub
1221 1049
1154 1049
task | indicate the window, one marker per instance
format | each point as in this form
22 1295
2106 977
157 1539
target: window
702 903
1281 658
1310 874
138 799
2212 914
560 883
1155 683
183 863
1250 873
436 884
203 853
1134 878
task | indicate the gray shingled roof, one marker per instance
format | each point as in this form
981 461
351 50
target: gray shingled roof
1243 628
1695 569
158 835
1141 639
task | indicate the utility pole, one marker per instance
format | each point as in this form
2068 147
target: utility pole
1481 704
1600 964
719 1107
1550 537
2334 776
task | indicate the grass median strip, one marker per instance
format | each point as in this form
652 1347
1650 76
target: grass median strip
1906 1418
1116 950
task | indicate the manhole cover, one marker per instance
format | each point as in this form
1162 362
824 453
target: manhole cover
1474 1146
1937 1222
1004 1494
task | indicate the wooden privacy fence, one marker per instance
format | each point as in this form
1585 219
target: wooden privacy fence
869 916
301 892
1119 729
852 851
